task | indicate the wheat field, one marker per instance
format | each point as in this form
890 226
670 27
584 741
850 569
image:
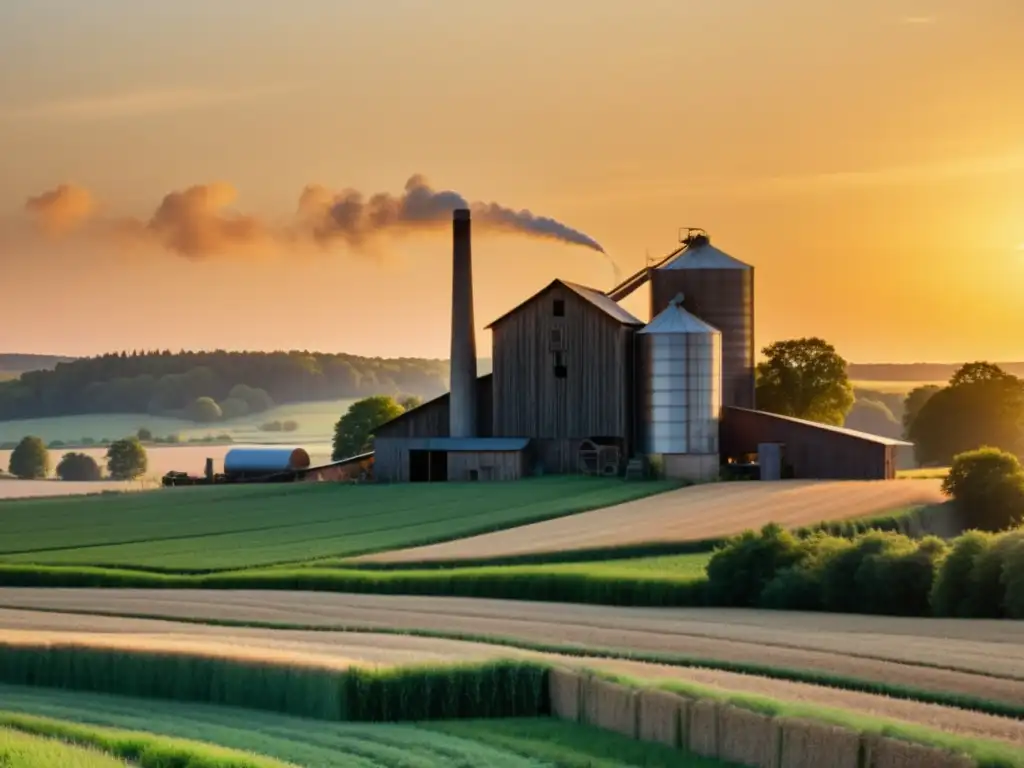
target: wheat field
688 514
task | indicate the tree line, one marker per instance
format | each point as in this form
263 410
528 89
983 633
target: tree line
125 460
166 383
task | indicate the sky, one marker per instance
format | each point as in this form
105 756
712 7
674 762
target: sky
867 157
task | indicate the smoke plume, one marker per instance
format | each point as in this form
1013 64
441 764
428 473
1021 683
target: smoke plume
199 221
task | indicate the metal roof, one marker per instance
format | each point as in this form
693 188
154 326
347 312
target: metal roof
704 256
676 320
591 295
602 302
829 428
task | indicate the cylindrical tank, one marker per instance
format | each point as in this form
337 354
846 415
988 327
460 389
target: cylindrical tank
720 291
680 374
239 461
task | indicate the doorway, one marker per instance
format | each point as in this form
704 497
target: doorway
428 466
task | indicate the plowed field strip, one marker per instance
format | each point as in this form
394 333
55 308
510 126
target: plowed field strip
687 514
343 649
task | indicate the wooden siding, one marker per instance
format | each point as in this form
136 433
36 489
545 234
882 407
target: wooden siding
431 418
391 462
813 452
592 401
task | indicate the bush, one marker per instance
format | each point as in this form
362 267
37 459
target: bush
840 586
56 444
29 460
898 581
1013 580
987 486
126 459
204 410
951 591
986 596
289 425
78 466
271 426
144 435
800 588
234 408
743 567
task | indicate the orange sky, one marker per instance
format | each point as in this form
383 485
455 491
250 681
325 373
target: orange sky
867 157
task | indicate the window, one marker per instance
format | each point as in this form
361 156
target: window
560 369
558 308
556 340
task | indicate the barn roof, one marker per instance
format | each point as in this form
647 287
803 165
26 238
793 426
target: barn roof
868 436
591 295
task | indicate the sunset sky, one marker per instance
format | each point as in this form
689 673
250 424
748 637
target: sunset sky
867 156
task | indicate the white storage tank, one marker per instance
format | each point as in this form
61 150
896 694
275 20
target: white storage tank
680 393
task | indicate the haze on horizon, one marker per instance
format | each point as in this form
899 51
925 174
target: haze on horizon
867 157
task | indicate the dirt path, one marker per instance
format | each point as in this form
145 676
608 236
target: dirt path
340 649
688 514
986 657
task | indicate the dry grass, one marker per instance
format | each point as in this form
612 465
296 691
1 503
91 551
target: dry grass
688 514
345 649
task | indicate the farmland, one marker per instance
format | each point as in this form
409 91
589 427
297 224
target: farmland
244 526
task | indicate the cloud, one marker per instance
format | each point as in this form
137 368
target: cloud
137 103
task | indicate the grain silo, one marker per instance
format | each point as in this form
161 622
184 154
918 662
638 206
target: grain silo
679 384
719 289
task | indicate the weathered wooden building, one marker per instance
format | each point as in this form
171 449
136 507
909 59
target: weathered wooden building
810 450
563 365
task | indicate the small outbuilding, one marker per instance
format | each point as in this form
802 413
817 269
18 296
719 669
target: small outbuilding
456 459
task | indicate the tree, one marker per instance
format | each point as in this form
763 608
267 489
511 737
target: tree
78 466
353 434
804 378
204 410
30 460
987 486
234 408
984 407
410 402
872 417
914 402
126 459
144 435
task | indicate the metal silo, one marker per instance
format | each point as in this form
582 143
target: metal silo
719 289
680 392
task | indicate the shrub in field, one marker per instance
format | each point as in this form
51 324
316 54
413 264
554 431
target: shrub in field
799 588
126 459
740 570
986 594
898 581
234 408
30 460
1013 581
78 466
841 589
204 410
951 591
987 486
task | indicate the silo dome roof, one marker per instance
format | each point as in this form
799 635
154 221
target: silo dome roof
675 319
704 256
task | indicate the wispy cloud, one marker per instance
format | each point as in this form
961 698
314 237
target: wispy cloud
137 103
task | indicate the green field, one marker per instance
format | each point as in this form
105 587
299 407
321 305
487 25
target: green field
233 527
21 750
316 424
518 743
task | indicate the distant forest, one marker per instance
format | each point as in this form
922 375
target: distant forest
915 371
166 383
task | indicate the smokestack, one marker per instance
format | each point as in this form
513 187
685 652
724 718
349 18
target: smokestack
462 401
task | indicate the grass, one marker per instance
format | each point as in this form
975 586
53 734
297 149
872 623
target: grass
232 527
519 743
21 750
71 745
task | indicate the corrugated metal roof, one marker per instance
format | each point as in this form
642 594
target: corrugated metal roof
676 320
602 302
704 256
829 428
591 295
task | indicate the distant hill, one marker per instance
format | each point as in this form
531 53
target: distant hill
923 372
13 365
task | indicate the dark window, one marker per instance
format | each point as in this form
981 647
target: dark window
558 308
557 339
560 369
